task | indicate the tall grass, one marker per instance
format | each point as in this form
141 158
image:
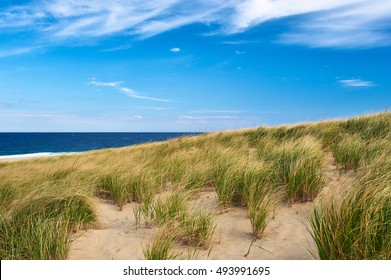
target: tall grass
349 152
227 180
115 186
358 226
193 228
162 247
165 210
41 227
196 228
299 165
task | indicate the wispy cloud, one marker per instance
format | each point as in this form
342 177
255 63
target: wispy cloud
208 117
14 52
118 48
61 116
175 50
240 52
152 108
216 112
128 91
356 83
238 42
318 23
360 25
94 82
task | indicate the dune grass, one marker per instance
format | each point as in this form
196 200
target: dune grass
358 225
171 213
196 228
252 168
163 210
162 247
299 166
348 153
40 225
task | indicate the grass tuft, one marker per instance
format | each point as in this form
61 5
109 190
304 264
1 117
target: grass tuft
349 152
359 225
162 247
197 228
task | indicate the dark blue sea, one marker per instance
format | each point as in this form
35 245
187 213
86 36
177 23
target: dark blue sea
19 145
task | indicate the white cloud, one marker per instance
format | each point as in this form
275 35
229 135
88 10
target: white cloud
356 83
128 91
175 50
253 12
323 23
240 52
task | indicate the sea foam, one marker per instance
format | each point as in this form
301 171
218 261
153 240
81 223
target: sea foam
35 155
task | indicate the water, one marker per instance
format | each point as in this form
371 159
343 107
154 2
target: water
20 145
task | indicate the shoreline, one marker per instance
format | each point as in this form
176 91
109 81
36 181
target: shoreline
7 158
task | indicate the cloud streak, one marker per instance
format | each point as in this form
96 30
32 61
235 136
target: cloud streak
16 51
361 25
175 50
356 83
207 117
216 111
317 23
127 91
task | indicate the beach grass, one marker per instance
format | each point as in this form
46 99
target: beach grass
162 247
252 168
349 152
357 223
358 227
196 228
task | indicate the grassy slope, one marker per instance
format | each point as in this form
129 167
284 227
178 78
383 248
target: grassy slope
43 201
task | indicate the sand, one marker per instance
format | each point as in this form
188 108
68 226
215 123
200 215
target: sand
287 236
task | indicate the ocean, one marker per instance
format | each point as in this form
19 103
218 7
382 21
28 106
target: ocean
23 145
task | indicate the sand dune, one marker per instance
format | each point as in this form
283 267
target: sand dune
286 237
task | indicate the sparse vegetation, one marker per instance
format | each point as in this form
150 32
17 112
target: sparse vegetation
255 168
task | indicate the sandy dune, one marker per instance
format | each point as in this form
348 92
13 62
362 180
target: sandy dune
286 237
117 238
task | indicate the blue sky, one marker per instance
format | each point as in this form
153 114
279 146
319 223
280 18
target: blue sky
176 65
